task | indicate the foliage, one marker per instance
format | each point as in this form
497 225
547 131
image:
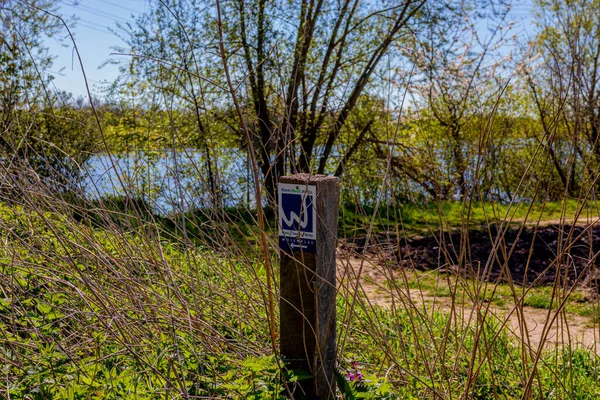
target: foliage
354 385
24 59
42 132
561 77
118 311
302 87
53 142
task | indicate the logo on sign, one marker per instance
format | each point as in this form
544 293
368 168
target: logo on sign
297 212
297 221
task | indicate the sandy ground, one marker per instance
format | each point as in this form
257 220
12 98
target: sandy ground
536 323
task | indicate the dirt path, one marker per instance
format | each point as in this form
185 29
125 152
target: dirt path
375 284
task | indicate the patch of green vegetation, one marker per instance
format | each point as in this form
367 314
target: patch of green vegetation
99 311
537 300
421 218
440 361
433 283
240 224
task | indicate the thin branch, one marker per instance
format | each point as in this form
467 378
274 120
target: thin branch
172 66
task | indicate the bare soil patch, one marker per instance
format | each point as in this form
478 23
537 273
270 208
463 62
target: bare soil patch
534 256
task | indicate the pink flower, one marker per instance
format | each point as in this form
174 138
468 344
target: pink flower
355 375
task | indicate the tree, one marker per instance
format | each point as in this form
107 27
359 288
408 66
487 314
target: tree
23 57
304 66
171 34
41 131
565 87
457 89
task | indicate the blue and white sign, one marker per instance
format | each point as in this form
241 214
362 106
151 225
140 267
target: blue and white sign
297 217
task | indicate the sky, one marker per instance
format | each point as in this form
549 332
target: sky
94 40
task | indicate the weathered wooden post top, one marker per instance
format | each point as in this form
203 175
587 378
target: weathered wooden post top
308 218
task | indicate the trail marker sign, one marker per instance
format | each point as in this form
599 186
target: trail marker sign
308 220
297 217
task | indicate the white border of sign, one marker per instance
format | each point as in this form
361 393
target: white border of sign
302 190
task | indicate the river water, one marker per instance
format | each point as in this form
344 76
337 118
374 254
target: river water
169 181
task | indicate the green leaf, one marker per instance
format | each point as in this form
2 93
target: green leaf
259 364
43 308
344 386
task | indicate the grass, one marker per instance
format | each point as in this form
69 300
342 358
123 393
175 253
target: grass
411 218
433 283
419 219
124 310
89 312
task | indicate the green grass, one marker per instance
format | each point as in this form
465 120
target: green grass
406 219
123 312
419 219
432 283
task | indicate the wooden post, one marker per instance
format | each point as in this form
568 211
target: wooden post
308 218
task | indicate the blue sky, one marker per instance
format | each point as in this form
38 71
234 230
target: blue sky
94 39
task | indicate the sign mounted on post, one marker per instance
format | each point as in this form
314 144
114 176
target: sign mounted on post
297 217
307 279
